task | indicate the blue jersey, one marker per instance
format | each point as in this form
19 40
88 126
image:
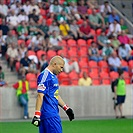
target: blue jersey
48 85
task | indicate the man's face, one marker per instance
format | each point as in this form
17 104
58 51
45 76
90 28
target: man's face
58 68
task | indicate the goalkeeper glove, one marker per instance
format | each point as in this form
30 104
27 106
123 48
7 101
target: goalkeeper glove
36 119
69 112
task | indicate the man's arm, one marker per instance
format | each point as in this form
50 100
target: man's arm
39 101
36 118
67 109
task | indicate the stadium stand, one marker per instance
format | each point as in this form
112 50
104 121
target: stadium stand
37 40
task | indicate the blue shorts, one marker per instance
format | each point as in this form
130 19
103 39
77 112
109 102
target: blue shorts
120 99
51 125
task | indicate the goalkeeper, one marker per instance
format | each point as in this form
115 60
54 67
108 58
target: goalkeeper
46 116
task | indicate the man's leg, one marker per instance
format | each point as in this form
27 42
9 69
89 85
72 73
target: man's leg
74 66
24 102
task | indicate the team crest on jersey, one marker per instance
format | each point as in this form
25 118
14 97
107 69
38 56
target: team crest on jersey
41 87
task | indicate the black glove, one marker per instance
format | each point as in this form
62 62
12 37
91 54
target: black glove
36 121
70 114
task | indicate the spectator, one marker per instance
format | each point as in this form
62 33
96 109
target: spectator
22 16
11 38
4 27
105 8
63 16
33 16
24 65
85 31
96 20
94 52
123 38
33 67
115 63
35 7
123 26
82 9
22 50
16 7
85 80
75 30
3 9
92 4
27 7
2 44
54 41
120 94
65 7
124 52
70 64
2 77
54 27
22 30
12 20
43 28
33 30
113 16
36 41
107 50
102 40
12 54
55 8
105 19
64 29
22 88
115 42
114 28
43 63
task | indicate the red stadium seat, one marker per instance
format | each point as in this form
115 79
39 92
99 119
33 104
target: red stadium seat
81 42
127 80
28 42
39 53
49 21
17 66
31 76
33 84
30 52
124 63
71 42
96 81
73 77
130 64
105 81
103 65
89 42
94 75
104 75
72 53
62 43
98 32
63 78
89 11
93 67
50 54
113 75
83 64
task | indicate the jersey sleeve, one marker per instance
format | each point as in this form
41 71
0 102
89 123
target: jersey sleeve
42 83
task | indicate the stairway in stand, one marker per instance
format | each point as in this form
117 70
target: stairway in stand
10 77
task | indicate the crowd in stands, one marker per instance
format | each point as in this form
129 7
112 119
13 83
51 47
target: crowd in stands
91 38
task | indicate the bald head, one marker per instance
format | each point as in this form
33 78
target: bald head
57 60
56 64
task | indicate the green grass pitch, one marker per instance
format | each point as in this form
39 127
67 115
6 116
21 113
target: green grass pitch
77 126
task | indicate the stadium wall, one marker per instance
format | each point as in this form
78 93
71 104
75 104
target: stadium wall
87 102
